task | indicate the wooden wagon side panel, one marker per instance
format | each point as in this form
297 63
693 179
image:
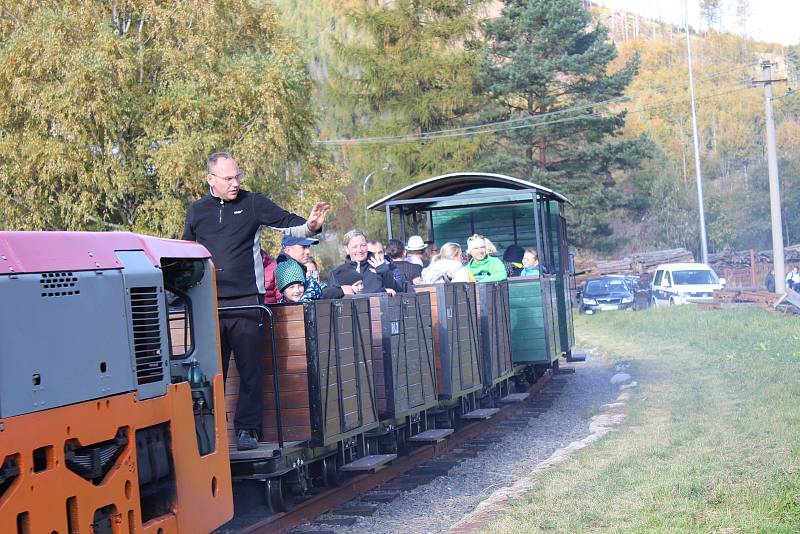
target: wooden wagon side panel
438 333
343 391
530 334
427 356
406 368
289 332
383 384
468 356
292 377
495 338
455 336
409 371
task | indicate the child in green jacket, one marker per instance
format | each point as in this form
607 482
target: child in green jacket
484 268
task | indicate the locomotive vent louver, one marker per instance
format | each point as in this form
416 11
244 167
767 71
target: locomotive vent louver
59 284
146 334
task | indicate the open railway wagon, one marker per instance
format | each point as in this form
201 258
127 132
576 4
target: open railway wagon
109 422
456 346
404 368
506 210
320 400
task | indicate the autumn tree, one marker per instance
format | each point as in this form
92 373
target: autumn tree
109 109
546 67
413 73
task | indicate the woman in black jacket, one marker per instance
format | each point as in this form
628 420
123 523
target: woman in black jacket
377 275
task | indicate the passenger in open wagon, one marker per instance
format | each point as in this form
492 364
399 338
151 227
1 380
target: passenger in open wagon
484 267
377 275
447 266
290 279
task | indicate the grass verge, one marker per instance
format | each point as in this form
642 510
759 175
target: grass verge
712 438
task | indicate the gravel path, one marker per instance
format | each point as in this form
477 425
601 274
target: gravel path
436 506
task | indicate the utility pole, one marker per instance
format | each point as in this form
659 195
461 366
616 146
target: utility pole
774 183
699 177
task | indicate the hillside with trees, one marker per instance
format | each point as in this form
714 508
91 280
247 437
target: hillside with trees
108 110
634 189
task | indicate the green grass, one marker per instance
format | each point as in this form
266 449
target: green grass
712 438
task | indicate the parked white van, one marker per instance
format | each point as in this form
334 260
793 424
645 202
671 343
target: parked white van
680 283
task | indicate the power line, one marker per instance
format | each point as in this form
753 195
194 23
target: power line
447 134
482 128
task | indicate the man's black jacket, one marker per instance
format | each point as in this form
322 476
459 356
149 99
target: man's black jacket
230 232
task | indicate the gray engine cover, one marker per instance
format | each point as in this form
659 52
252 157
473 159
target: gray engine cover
68 337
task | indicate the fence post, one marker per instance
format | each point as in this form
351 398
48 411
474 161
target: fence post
752 269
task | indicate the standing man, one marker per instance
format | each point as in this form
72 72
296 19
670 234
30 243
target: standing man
228 223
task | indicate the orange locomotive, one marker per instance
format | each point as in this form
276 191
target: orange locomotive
112 414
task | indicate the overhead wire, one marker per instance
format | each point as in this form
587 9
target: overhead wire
622 98
536 120
453 134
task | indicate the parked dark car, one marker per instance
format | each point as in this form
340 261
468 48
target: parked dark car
607 293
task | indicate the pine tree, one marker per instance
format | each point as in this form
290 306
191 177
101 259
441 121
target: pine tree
109 109
415 72
711 12
546 65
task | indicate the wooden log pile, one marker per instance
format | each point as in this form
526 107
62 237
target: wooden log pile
741 258
641 264
646 262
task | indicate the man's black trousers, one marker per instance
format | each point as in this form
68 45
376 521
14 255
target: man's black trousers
241 332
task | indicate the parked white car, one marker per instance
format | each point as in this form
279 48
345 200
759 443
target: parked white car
681 283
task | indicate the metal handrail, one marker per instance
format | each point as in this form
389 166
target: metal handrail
265 311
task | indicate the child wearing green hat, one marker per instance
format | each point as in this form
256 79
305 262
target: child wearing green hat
290 279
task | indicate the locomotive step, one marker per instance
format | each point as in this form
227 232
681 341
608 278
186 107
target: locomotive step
481 413
514 397
432 436
369 463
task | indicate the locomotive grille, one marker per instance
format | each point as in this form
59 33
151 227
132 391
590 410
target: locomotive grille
58 284
146 334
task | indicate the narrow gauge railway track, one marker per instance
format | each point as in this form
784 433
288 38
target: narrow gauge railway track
351 488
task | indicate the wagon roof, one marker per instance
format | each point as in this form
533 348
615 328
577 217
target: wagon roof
440 189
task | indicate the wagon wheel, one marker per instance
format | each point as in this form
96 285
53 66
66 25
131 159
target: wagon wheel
330 476
273 492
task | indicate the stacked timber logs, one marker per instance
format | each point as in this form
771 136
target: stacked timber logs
742 258
648 261
638 264
749 267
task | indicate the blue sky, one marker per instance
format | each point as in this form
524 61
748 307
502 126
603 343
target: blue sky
770 20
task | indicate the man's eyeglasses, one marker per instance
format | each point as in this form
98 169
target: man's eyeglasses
239 178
